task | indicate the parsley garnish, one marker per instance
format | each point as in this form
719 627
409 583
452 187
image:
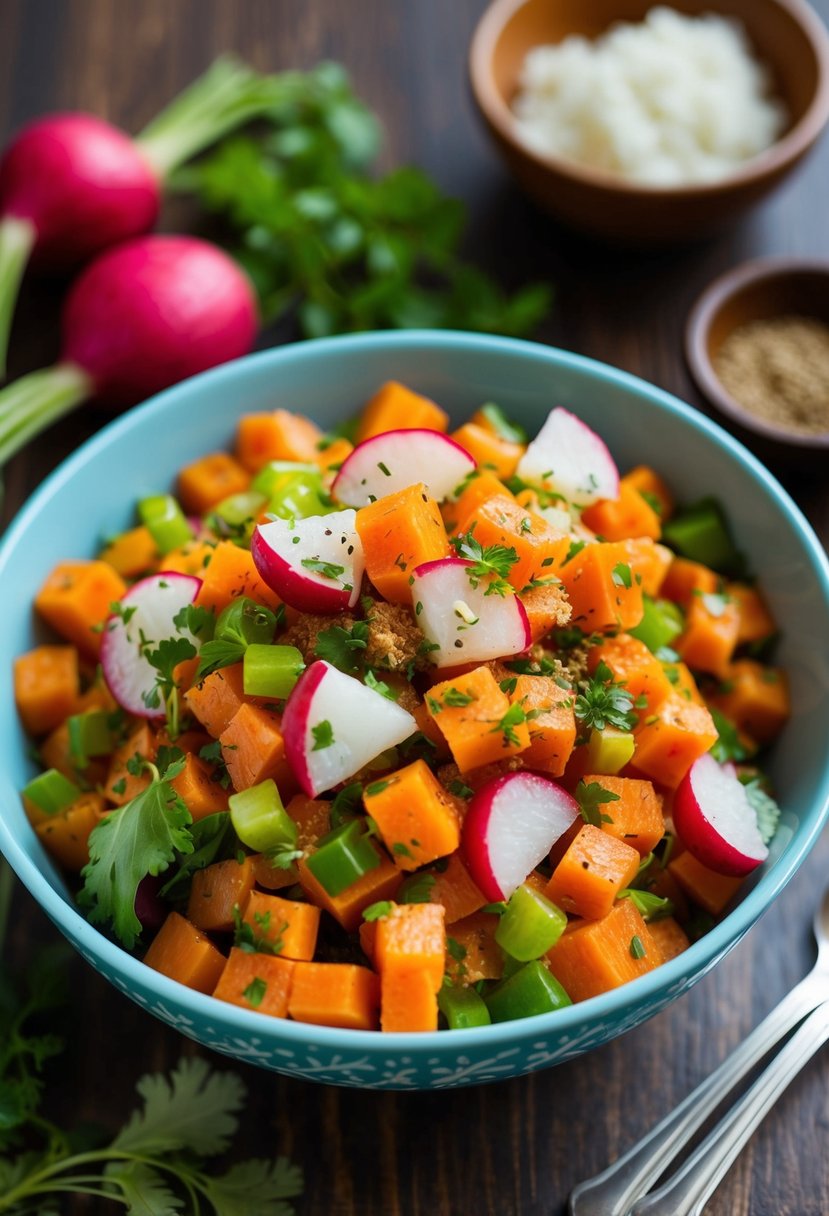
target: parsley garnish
323 734
652 907
637 950
326 569
217 654
256 938
416 890
139 838
460 789
456 699
340 647
254 994
621 575
402 850
165 657
197 620
515 716
600 702
376 911
590 797
491 564
379 686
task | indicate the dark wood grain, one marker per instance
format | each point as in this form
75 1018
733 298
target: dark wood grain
517 1148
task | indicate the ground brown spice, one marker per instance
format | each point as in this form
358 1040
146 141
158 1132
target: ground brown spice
778 369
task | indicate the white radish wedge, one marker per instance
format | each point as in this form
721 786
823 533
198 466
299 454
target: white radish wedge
394 460
569 458
146 618
463 622
314 564
512 823
333 726
715 820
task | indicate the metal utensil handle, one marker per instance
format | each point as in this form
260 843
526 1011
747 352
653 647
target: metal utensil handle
612 1192
690 1188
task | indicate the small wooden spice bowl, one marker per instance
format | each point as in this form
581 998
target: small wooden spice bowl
757 291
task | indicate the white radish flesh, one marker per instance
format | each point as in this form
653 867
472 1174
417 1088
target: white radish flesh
314 564
465 623
569 458
715 820
394 460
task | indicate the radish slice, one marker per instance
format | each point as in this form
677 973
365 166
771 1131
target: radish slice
715 820
465 623
149 608
569 458
512 823
394 460
333 726
314 564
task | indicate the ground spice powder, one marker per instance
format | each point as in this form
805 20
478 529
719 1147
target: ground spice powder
778 369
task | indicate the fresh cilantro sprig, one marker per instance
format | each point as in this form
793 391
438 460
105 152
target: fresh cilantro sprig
490 564
165 656
144 836
325 238
601 702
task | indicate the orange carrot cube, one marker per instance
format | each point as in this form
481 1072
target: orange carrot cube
592 872
395 407
669 937
76 599
122 785
630 515
274 919
602 588
217 699
653 488
473 729
488 450
205 482
711 627
416 817
553 724
377 885
636 816
475 954
197 788
216 891
278 435
540 547
686 578
256 981
66 835
668 742
600 955
412 937
253 749
182 953
632 664
756 622
231 573
454 888
705 887
132 553
756 698
649 563
399 533
335 994
46 687
408 1002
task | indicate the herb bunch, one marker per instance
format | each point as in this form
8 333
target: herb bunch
321 237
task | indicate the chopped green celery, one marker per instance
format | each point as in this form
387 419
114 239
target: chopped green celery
609 750
245 622
503 426
51 792
279 473
343 856
237 514
462 1008
530 926
701 534
260 820
511 965
165 521
529 991
293 491
271 671
90 734
661 624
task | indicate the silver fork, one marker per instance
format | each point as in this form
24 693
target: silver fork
615 1192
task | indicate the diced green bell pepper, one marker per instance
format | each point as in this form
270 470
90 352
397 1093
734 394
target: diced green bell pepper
530 991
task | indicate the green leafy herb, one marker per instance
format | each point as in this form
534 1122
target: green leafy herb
416 890
341 647
320 234
515 716
326 569
198 620
576 547
142 837
637 949
601 702
377 787
213 839
165 657
217 654
345 804
460 789
621 575
380 686
590 796
323 734
490 564
256 938
375 911
456 950
254 994
498 908
728 745
652 907
402 850
457 699
503 426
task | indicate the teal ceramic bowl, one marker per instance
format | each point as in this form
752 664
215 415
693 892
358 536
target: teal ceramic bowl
94 492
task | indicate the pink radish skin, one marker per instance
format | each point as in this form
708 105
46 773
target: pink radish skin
83 185
278 550
154 311
512 823
155 602
715 820
570 458
408 457
362 723
443 590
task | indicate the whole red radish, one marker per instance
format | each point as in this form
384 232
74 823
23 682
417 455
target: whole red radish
72 185
141 317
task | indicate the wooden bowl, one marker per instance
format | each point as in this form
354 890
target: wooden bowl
756 291
786 35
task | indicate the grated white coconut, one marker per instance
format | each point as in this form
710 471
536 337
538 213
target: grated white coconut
669 101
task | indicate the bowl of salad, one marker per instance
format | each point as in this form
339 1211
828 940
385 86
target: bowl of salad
410 710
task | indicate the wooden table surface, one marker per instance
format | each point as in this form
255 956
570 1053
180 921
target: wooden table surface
517 1148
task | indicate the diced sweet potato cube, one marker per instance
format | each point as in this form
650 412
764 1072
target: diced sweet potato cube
217 699
595 868
756 698
257 981
122 785
335 994
197 788
488 450
408 1002
454 888
66 835
132 553
216 890
395 407
412 937
668 742
417 818
632 664
276 920
547 607
278 435
705 887
602 588
686 579
205 482
473 730
649 562
540 547
630 515
595 956
378 884
46 687
756 622
669 937
312 817
553 731
710 635
474 939
253 749
648 482
230 574
636 817
399 533
181 952
76 599
483 484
